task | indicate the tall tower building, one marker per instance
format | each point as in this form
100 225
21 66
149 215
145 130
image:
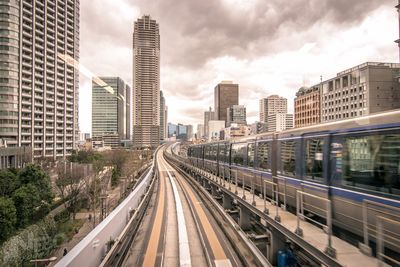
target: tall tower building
146 83
272 105
236 114
38 88
162 116
208 116
110 107
226 94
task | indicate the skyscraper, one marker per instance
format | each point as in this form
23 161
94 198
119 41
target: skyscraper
208 116
163 119
110 107
272 105
226 94
38 81
236 114
146 82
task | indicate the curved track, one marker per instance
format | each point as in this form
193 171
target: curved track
179 230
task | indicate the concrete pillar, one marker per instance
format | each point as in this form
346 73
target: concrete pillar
244 218
226 202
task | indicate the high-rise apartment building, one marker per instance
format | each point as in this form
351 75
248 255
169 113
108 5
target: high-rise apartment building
226 94
307 106
208 116
236 114
39 41
272 105
279 122
146 83
200 131
362 90
110 108
163 124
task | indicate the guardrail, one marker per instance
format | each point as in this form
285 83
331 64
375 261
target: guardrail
92 248
328 227
382 238
380 245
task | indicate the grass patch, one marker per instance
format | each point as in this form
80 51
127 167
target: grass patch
67 229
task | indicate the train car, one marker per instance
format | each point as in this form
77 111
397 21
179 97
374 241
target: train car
354 163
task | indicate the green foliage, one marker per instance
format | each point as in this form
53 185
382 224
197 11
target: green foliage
33 174
8 182
8 218
115 177
27 201
36 241
85 156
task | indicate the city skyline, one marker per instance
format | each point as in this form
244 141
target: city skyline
277 62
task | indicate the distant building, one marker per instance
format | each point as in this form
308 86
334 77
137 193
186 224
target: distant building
163 115
236 114
279 122
307 106
226 94
110 107
258 127
182 132
189 132
208 116
236 131
215 126
200 131
172 130
272 105
146 82
362 90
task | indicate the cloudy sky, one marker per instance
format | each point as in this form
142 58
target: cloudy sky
267 47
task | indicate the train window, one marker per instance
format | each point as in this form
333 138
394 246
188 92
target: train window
314 159
288 158
238 152
214 152
372 163
222 153
207 152
263 155
250 155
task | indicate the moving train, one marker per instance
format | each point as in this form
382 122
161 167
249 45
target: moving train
352 163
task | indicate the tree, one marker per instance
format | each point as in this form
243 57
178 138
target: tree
70 182
8 218
8 183
34 175
27 201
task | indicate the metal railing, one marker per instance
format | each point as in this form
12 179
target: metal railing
327 227
274 198
380 240
395 212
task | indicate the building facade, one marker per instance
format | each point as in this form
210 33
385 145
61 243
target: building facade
272 105
110 108
280 122
146 83
307 106
39 45
236 114
362 90
215 127
200 131
208 116
236 131
163 117
226 94
172 130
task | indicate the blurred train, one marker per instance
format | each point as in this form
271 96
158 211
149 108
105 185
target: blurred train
348 162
